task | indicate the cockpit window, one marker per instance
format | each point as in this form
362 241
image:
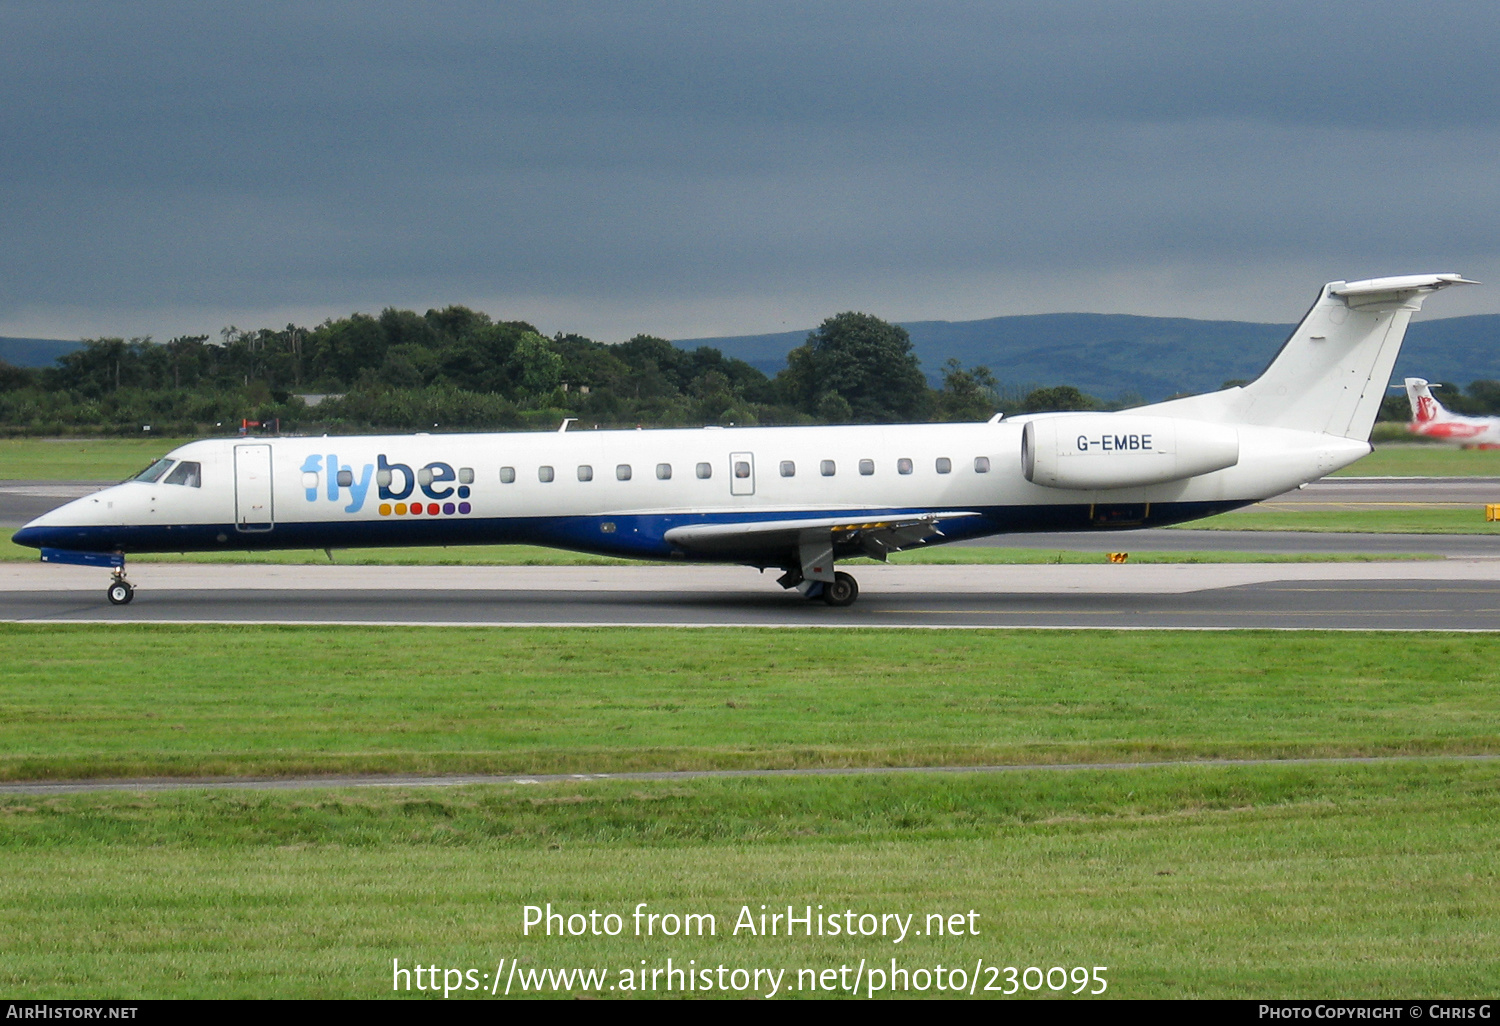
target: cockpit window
155 471
186 473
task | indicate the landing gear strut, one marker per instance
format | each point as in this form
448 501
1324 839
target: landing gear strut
813 574
120 591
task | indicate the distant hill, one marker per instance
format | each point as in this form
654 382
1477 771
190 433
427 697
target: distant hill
34 352
1108 355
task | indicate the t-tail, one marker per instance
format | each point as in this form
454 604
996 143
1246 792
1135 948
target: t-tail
1425 409
1332 373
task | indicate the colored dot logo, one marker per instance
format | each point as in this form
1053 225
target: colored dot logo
432 509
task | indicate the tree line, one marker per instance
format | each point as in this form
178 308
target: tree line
457 369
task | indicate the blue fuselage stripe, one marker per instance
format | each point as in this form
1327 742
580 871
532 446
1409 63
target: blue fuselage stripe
640 535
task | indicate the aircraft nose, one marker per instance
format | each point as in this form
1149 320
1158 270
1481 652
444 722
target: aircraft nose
30 536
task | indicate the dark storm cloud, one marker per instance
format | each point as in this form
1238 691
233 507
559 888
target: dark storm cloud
329 156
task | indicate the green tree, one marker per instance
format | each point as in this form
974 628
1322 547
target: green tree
1060 398
534 367
863 360
967 394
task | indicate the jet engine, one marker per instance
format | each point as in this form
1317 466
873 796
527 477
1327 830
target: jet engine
1107 450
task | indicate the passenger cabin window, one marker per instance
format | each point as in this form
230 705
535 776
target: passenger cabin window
867 467
944 465
664 471
507 475
788 468
742 469
382 478
705 471
622 472
981 464
155 471
424 476
903 466
465 475
346 478
186 473
827 468
544 474
585 473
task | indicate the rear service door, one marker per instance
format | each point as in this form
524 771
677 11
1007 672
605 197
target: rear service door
741 473
252 488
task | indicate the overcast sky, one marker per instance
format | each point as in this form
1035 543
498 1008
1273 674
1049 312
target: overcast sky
692 169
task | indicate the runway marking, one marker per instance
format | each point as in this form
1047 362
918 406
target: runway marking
528 779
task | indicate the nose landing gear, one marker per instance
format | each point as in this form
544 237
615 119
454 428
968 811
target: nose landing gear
120 591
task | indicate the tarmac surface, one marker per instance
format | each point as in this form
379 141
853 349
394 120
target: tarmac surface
1460 592
1450 594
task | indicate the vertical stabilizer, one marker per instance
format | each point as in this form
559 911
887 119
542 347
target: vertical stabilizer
1424 405
1331 375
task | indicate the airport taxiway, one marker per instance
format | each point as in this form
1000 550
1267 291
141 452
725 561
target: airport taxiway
1450 594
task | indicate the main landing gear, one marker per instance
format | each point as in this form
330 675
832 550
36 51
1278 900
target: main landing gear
120 591
842 591
813 574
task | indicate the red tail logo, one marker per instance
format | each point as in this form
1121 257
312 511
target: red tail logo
1425 410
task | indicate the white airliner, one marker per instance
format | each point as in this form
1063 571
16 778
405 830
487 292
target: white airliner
1431 419
796 499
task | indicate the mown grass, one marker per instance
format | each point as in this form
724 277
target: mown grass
1424 460
143 700
1268 881
80 459
1267 516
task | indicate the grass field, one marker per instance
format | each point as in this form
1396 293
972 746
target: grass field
1352 881
79 459
1407 459
112 459
1323 880
1298 517
147 700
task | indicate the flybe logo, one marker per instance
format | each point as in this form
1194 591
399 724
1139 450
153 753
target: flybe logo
325 478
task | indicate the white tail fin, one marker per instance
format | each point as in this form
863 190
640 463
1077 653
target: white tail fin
1331 375
1424 405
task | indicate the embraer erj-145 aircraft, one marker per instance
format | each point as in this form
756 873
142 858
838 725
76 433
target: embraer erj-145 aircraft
797 499
1430 419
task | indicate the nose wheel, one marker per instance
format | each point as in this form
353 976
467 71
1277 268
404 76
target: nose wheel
120 591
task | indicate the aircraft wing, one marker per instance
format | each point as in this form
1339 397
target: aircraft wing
875 535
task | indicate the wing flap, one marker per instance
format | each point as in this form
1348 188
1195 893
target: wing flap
876 534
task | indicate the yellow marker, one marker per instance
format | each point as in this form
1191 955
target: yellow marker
1118 557
1492 511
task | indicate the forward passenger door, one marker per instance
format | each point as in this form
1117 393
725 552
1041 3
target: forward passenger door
252 488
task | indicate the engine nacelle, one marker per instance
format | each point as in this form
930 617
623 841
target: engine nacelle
1108 450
